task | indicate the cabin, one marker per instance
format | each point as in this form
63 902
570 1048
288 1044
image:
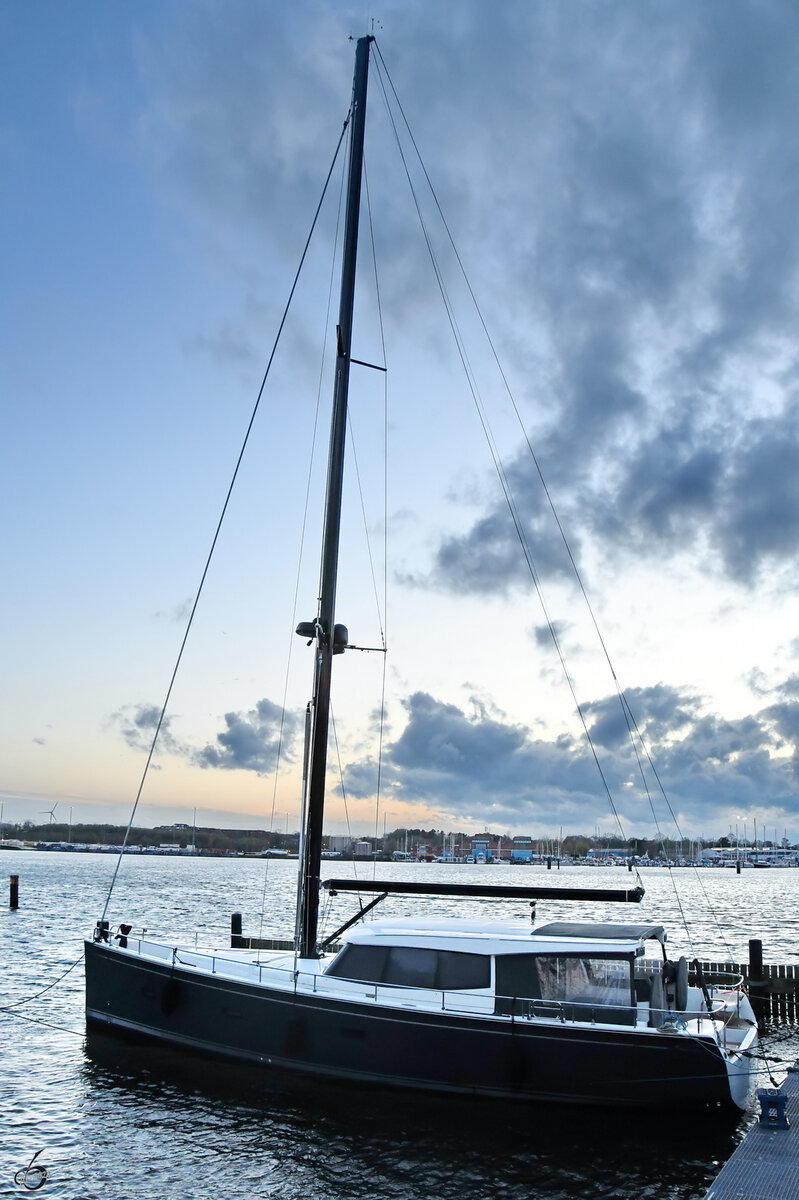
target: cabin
566 969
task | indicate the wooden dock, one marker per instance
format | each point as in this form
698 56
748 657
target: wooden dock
766 1164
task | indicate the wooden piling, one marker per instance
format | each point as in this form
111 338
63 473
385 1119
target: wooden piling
756 979
13 892
237 942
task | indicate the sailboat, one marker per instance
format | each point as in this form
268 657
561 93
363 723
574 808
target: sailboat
565 1011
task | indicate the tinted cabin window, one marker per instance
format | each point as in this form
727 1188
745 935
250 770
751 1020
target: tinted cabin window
360 962
458 970
516 976
413 966
408 966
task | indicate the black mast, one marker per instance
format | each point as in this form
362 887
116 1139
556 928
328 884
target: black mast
327 643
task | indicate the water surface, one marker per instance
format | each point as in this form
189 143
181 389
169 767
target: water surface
116 1120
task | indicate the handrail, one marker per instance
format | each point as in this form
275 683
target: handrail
479 1001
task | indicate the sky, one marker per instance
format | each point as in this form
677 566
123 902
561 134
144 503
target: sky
621 181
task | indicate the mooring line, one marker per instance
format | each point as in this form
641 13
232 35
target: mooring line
36 995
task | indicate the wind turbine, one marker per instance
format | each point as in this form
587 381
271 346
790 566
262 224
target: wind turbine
50 812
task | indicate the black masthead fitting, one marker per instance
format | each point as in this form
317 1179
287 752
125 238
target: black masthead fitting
311 630
341 638
307 629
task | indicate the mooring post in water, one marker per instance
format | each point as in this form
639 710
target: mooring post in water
13 892
236 940
756 978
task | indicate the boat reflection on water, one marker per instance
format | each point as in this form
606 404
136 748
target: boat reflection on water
287 1136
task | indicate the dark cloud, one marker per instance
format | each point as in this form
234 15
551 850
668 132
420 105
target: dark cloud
759 523
441 737
658 713
785 721
651 206
542 634
790 687
251 741
483 767
137 725
670 490
480 767
643 167
489 559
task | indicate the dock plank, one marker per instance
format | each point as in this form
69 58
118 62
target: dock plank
766 1164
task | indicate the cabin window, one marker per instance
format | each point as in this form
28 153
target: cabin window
457 970
366 963
582 982
413 966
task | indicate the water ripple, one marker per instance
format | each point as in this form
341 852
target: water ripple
130 1122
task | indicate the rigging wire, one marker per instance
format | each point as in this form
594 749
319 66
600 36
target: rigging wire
346 807
384 619
220 522
305 513
634 732
383 642
490 441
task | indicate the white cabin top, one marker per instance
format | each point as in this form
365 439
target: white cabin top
504 937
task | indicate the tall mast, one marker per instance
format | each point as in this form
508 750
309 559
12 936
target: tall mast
326 643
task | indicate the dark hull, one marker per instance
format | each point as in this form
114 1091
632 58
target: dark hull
380 1045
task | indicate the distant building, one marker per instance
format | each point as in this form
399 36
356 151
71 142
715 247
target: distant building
339 844
521 849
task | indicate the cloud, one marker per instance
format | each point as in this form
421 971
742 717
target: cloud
646 172
481 768
178 615
652 288
137 725
252 741
759 521
659 713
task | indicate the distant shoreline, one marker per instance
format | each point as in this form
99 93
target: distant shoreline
146 851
